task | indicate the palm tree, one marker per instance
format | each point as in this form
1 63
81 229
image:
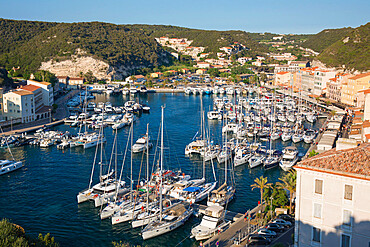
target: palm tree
261 183
289 182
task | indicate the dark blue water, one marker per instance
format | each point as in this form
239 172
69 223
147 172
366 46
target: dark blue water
41 197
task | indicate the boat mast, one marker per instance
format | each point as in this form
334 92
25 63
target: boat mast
147 168
226 152
160 172
101 148
132 138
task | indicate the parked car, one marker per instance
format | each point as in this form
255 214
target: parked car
258 239
286 217
267 233
282 222
275 227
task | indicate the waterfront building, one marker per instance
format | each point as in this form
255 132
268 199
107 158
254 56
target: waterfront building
292 66
75 81
201 71
203 65
47 91
156 75
332 198
19 105
63 81
282 79
305 78
350 89
321 77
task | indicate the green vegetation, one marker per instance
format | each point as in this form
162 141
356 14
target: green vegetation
14 236
319 42
261 184
352 50
26 44
288 182
4 79
312 153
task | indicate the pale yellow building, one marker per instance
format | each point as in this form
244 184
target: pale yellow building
356 83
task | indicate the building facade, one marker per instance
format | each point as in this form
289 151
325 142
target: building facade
332 199
19 105
354 84
47 91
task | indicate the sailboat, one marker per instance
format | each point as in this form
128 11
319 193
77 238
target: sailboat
7 166
273 159
225 193
101 192
171 218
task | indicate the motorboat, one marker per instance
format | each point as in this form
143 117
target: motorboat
290 158
212 222
309 136
141 144
213 115
7 166
256 160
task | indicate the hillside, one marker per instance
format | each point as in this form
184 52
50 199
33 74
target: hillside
116 50
31 43
210 39
352 50
319 42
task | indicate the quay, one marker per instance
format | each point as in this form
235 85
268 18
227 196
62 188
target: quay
33 128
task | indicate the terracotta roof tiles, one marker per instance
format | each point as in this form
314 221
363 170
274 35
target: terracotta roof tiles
353 162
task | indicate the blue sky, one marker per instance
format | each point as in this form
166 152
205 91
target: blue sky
277 16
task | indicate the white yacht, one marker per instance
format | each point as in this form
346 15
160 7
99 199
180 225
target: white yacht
212 221
213 115
221 196
286 136
141 144
297 137
196 147
170 219
242 156
290 158
256 160
309 136
7 166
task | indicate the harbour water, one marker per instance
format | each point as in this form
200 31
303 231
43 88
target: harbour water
41 197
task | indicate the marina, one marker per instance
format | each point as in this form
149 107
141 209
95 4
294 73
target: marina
68 170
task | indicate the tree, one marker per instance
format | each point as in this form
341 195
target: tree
261 183
43 75
289 183
312 153
213 72
333 113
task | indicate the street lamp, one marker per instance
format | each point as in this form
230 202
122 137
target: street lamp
271 198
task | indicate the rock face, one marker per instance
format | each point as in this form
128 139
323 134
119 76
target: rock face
77 64
84 63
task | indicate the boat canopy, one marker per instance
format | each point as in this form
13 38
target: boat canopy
192 189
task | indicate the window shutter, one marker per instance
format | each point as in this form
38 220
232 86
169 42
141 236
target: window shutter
348 192
318 186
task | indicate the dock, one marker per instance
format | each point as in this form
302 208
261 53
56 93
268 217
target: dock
237 231
33 128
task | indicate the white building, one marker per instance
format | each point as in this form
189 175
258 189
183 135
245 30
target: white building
321 77
47 91
19 105
332 199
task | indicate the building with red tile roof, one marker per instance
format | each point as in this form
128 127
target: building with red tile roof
332 198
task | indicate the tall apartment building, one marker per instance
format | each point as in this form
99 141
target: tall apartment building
332 199
321 77
351 88
47 91
19 105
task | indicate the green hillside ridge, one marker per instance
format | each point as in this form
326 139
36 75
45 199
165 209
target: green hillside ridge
325 38
353 50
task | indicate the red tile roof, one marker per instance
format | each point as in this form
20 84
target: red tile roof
360 76
354 162
30 88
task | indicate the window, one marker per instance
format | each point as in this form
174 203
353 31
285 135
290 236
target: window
317 210
348 192
318 186
346 217
316 234
345 241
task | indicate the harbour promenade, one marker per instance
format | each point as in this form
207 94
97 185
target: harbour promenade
236 232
